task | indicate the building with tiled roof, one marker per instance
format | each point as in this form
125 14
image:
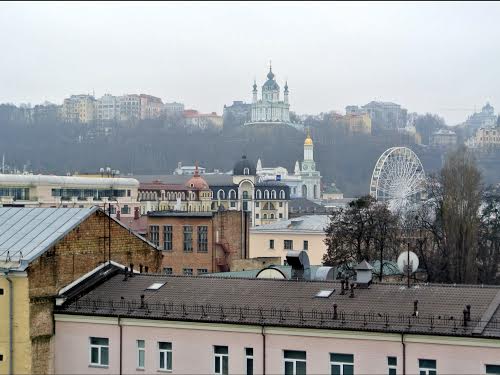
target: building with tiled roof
283 326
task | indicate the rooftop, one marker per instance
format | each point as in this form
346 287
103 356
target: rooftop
26 233
308 223
179 214
67 181
380 308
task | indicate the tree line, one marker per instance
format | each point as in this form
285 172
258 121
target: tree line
455 232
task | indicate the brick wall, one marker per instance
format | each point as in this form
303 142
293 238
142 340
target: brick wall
224 229
80 251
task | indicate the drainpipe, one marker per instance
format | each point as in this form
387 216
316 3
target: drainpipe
121 343
263 350
404 352
11 317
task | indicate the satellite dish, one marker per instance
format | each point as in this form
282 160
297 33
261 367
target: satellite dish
403 262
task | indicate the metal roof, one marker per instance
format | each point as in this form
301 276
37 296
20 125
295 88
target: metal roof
308 223
66 181
26 233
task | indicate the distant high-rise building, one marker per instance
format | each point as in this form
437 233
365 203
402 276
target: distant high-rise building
79 108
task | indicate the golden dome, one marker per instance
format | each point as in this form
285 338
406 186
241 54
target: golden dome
308 141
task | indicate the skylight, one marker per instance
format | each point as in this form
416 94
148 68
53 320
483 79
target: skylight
155 286
324 293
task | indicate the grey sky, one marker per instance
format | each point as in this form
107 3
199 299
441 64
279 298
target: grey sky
437 57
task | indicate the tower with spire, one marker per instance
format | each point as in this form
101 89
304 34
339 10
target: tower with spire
311 178
269 109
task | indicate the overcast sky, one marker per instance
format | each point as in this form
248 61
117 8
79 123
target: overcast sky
433 57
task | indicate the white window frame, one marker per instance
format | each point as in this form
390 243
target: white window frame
165 353
294 361
99 352
392 367
427 369
247 357
139 350
341 364
220 357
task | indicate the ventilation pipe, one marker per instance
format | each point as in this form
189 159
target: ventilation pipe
299 260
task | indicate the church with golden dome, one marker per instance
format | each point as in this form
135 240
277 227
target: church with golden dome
310 177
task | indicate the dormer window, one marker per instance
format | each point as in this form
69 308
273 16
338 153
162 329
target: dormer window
246 171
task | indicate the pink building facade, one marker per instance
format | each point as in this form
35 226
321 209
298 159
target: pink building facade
193 348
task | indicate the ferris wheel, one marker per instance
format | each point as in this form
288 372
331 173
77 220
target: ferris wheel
398 178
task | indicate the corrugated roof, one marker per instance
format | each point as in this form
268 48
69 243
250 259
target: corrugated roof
308 223
26 233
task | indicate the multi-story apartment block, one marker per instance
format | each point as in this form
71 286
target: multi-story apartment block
70 191
487 137
108 108
444 138
173 108
357 120
79 108
195 243
197 120
151 106
386 114
112 322
130 107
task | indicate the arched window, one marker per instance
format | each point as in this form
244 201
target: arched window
232 194
315 191
258 194
266 194
246 171
272 216
245 195
273 194
265 216
221 194
282 194
304 191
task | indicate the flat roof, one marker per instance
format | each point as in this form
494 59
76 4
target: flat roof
179 214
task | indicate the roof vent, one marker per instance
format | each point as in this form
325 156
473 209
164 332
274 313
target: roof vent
325 274
363 274
299 260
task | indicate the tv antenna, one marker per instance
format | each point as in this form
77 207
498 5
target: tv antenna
408 263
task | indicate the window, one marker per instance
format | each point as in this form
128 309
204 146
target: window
306 245
341 364
141 353
125 210
99 351
167 270
281 216
427 366
245 195
256 216
1 291
167 237
188 238
295 362
245 206
492 369
221 360
187 271
281 204
165 352
282 196
249 361
202 271
288 244
246 171
233 204
256 204
271 244
258 194
154 234
392 362
203 238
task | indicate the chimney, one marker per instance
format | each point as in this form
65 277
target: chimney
131 269
146 268
117 214
468 312
352 291
136 213
335 314
140 268
142 301
126 274
342 290
465 317
415 307
299 260
363 274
